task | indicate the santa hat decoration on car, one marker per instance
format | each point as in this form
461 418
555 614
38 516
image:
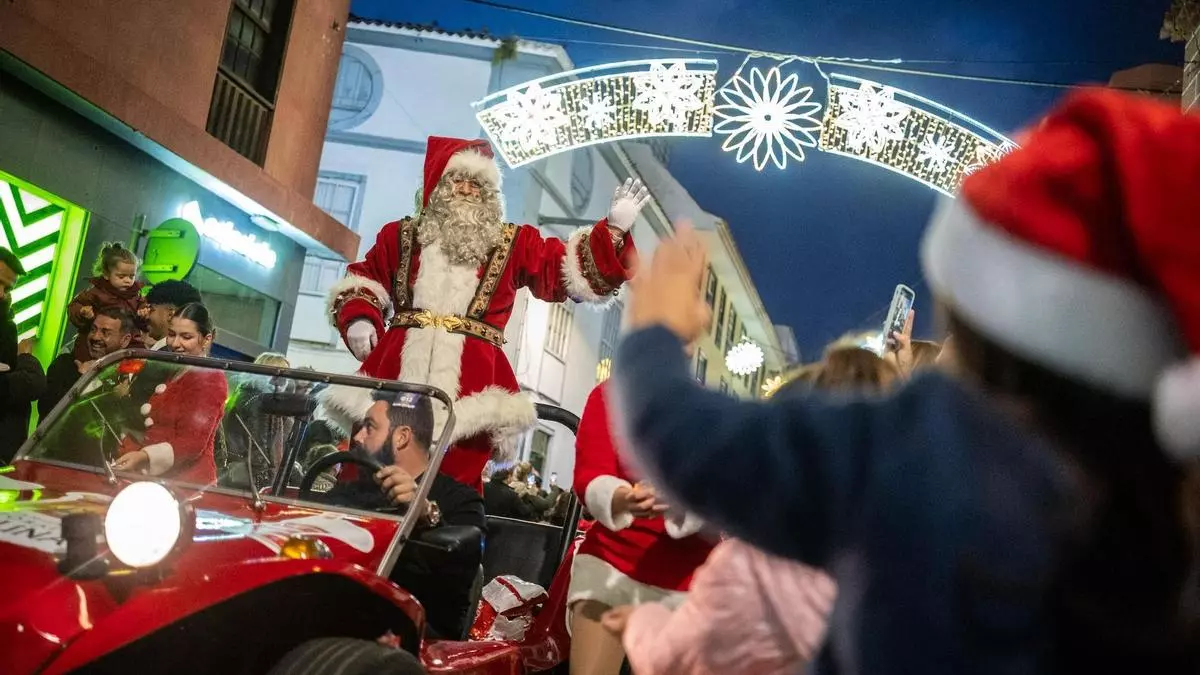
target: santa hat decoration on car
1091 215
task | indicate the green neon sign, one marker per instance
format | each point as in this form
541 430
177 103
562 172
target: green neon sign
47 235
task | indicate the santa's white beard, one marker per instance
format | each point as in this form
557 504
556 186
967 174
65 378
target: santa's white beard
467 228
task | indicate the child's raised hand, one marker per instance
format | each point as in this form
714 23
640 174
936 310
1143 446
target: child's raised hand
87 312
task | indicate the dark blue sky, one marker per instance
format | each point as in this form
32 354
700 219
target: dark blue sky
827 240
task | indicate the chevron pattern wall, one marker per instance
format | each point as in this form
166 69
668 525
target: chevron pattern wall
46 235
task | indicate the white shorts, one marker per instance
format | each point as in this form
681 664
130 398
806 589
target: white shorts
594 579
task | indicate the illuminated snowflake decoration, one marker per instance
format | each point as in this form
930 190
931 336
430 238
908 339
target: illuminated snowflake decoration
744 358
767 117
598 111
771 385
871 119
533 117
936 152
986 154
667 94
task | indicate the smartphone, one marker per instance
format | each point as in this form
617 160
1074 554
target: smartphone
902 302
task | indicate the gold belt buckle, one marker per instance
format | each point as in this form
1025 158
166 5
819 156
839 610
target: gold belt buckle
448 322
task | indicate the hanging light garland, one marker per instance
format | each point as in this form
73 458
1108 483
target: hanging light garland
765 114
744 358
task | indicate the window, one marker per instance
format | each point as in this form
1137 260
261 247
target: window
701 367
358 89
724 386
608 341
320 275
754 383
254 40
539 448
338 195
559 330
719 326
235 307
733 326
710 293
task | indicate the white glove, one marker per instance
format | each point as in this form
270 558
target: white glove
628 201
361 338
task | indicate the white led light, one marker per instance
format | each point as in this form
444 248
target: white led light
143 524
906 133
611 102
744 358
769 118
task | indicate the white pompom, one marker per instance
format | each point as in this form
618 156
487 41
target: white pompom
160 388
149 422
1177 410
145 409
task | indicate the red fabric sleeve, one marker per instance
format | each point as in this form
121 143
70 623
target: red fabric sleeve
190 418
595 449
539 264
379 265
615 267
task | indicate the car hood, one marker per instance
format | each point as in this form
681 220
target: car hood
229 534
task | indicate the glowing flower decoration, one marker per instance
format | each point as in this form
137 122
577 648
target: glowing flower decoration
771 385
871 118
936 152
769 118
667 94
744 358
533 117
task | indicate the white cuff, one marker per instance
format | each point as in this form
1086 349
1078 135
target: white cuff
598 498
162 458
680 525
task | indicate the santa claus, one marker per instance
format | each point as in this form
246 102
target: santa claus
430 302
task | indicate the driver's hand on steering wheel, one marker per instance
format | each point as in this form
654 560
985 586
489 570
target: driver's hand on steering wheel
397 484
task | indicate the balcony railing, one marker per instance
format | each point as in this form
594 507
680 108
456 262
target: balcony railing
240 118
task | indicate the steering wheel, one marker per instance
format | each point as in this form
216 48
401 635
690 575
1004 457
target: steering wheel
332 459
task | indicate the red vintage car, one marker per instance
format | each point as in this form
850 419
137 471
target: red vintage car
124 572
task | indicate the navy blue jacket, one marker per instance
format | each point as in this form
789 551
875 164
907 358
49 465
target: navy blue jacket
938 516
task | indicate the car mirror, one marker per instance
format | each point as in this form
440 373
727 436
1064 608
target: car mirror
451 540
287 404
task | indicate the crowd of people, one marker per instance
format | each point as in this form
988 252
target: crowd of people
1022 496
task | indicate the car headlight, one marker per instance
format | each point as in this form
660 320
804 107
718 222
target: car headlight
144 523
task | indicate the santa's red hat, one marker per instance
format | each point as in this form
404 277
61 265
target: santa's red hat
1081 252
472 158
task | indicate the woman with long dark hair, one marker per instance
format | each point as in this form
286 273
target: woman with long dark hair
182 416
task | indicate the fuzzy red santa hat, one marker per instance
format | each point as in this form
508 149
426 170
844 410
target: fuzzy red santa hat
473 158
1081 252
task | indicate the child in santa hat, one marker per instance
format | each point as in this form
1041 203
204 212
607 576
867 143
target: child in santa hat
1039 515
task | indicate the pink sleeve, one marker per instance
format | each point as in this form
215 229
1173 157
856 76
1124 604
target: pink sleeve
661 642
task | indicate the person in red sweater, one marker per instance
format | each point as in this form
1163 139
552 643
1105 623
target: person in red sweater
182 415
639 550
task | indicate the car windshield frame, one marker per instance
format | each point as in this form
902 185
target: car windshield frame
406 521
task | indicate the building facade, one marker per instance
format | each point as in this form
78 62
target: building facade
188 130
399 84
1191 72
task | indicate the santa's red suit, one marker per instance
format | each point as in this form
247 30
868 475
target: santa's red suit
619 550
181 420
442 323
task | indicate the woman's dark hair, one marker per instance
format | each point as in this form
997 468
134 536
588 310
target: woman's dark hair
198 314
924 353
112 253
1126 594
854 369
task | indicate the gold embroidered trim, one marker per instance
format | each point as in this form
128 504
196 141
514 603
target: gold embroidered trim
491 275
590 271
358 293
451 323
401 293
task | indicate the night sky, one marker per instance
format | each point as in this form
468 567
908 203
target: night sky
827 240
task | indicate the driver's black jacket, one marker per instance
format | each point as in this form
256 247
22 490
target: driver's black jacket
441 583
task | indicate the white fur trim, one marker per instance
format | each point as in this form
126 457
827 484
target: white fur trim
162 458
1091 326
502 414
1177 410
477 165
598 498
345 406
353 281
572 271
683 524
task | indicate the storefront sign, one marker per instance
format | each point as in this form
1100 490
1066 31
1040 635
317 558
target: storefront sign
229 238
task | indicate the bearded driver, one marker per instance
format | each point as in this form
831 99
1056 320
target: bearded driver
430 302
397 431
